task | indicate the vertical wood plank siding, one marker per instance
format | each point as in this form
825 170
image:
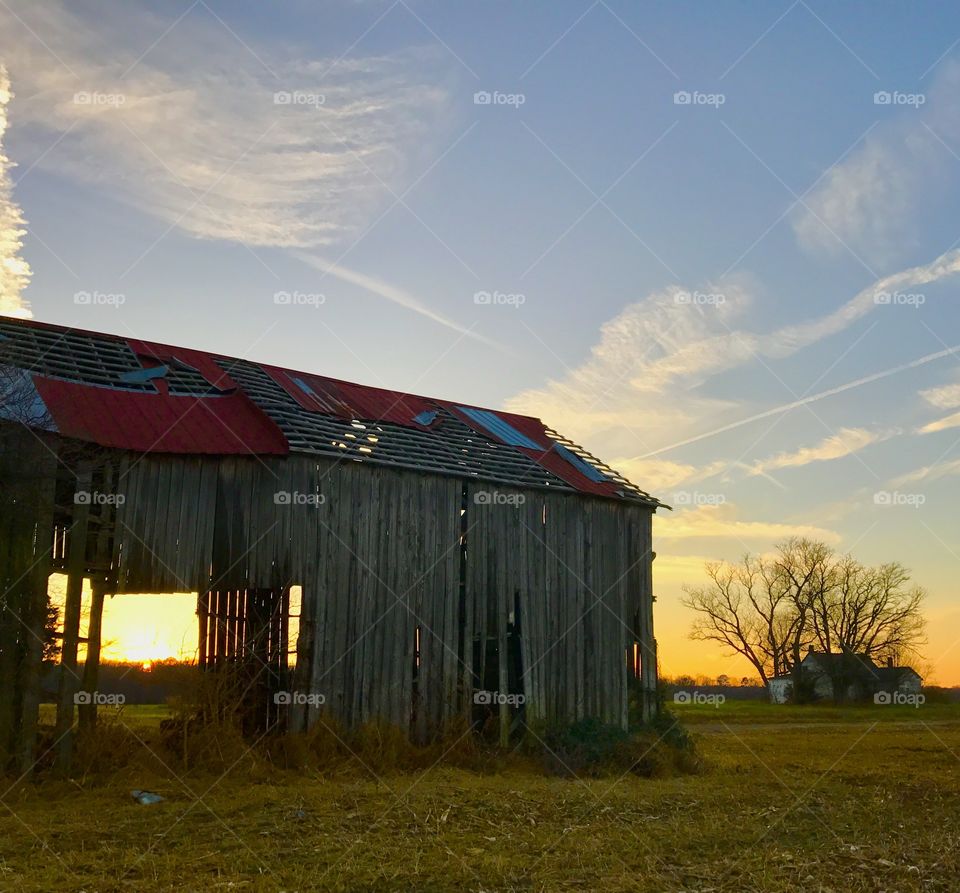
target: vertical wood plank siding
556 588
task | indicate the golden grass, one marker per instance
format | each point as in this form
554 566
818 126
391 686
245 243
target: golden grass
854 807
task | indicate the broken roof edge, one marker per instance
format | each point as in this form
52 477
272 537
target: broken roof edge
608 471
620 487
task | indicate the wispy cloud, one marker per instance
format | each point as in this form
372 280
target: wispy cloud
642 386
722 521
943 397
14 270
950 421
659 475
929 473
218 138
845 442
867 202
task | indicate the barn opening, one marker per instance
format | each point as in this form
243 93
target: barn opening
449 561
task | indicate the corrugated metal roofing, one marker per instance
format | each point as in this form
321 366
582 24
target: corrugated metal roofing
500 429
148 397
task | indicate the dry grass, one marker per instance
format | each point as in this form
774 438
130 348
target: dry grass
855 807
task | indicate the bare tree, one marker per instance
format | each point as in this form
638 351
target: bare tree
870 611
746 607
770 609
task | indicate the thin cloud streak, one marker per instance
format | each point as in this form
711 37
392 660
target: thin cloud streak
391 292
813 398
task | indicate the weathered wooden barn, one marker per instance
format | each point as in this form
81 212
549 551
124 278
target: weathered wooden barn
451 559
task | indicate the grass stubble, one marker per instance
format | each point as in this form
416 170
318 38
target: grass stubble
837 800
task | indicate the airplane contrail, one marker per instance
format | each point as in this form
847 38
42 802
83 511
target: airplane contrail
390 292
786 407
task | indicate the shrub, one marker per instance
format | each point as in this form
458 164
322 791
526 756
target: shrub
589 748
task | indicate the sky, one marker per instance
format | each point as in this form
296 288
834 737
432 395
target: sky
717 244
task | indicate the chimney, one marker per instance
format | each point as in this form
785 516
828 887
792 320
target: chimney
890 663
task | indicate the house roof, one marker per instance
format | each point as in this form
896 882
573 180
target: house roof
894 674
148 397
839 659
856 664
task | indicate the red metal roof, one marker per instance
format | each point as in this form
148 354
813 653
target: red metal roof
92 389
160 423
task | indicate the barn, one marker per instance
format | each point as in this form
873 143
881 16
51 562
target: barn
360 552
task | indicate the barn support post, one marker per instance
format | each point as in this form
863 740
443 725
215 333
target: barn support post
28 474
299 717
648 648
99 582
9 613
76 566
87 712
32 666
503 663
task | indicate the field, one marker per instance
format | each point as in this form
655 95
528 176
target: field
811 799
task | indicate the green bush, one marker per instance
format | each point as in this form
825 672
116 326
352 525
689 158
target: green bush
589 748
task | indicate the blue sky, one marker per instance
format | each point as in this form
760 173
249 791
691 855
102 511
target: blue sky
675 268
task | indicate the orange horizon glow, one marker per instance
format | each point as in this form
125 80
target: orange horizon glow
148 629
